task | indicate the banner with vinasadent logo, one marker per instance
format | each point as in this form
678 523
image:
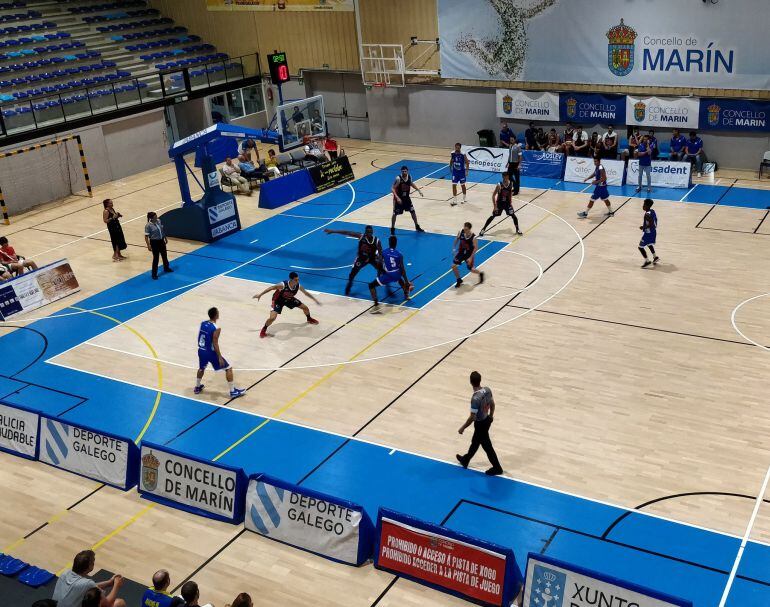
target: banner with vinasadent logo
494 160
652 43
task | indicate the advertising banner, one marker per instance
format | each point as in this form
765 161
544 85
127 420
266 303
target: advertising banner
577 169
192 484
223 217
660 43
524 105
734 115
494 160
589 108
542 164
18 430
38 288
665 174
668 112
553 583
101 457
446 560
332 173
280 5
313 521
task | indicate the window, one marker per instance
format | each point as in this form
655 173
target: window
237 104
252 99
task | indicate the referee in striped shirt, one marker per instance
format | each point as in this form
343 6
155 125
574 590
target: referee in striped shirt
482 412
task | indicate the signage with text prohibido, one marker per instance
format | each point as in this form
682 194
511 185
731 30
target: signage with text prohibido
279 68
446 560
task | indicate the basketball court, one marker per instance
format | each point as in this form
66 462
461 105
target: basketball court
631 403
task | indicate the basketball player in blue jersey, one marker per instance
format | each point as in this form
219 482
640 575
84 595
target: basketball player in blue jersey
369 252
649 230
458 164
209 352
285 296
393 270
599 178
464 249
401 189
502 201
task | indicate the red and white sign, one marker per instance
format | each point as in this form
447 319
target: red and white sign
442 561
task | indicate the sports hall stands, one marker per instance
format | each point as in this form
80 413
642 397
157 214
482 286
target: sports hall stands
71 58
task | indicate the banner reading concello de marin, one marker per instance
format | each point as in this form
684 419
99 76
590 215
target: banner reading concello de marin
280 5
523 105
686 43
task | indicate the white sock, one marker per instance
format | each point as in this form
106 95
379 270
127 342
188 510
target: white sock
198 381
231 384
464 196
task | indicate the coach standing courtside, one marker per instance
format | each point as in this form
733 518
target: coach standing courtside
482 412
156 240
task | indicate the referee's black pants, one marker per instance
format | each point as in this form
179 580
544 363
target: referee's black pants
481 439
515 174
159 250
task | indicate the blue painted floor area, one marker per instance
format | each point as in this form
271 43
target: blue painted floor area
671 557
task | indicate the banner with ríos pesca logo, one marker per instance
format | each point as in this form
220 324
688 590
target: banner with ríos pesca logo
317 522
199 486
91 453
554 583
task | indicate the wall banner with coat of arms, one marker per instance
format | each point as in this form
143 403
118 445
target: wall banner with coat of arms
734 115
525 105
591 108
665 112
655 43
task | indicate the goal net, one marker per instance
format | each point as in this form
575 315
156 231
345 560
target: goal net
41 173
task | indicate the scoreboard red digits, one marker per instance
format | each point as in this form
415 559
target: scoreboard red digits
279 68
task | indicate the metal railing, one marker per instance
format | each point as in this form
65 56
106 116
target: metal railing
43 111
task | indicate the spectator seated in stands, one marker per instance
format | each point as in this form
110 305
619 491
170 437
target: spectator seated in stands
249 149
232 174
577 145
249 171
191 595
94 598
694 154
313 153
242 600
73 584
541 139
678 144
569 133
554 143
158 595
331 148
610 143
505 135
271 163
530 138
633 142
15 263
595 145
652 141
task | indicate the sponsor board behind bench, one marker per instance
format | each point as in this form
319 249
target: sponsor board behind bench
578 169
316 522
192 484
446 560
37 288
494 160
330 174
97 455
554 583
542 164
665 174
19 429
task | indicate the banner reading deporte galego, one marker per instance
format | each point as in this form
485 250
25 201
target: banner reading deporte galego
319 523
88 452
189 483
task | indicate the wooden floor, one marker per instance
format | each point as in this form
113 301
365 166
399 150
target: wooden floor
627 386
